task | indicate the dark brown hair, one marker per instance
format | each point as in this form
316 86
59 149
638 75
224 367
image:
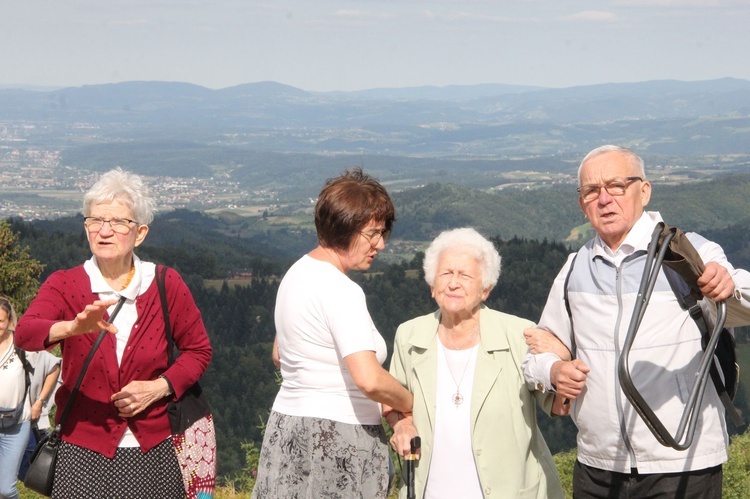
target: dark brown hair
347 204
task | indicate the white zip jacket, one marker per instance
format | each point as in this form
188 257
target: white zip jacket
665 355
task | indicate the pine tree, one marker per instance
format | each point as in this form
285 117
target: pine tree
19 273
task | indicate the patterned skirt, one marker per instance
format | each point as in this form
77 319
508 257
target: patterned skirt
81 472
314 458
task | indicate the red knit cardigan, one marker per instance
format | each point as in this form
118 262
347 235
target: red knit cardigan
93 422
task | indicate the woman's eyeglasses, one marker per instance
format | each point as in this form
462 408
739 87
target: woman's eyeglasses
119 225
374 237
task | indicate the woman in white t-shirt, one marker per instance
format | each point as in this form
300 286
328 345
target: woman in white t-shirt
324 437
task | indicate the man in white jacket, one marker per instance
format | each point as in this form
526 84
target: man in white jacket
618 456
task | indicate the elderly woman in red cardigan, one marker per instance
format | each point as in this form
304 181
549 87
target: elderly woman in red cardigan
117 440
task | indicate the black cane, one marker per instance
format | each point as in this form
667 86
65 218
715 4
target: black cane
415 444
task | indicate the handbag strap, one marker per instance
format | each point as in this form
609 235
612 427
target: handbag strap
160 283
84 368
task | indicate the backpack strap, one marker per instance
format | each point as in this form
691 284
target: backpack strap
27 370
567 307
725 351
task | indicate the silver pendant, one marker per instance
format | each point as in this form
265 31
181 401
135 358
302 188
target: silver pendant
457 398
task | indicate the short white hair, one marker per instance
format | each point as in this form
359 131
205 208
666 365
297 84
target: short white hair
635 160
125 187
473 243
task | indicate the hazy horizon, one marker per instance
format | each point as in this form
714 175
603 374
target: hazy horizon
334 45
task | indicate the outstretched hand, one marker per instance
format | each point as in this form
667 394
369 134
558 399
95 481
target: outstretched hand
89 320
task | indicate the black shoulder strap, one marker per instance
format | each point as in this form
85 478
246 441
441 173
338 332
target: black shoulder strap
84 368
726 391
161 274
567 307
687 301
27 369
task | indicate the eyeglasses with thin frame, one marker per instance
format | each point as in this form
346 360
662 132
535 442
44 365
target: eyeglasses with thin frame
374 237
118 225
615 187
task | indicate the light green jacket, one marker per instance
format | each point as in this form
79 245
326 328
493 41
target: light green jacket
511 457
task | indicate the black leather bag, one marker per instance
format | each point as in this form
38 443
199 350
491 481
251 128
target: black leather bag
41 474
192 406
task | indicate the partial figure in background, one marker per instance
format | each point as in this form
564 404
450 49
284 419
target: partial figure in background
117 439
27 380
474 412
618 456
42 427
324 437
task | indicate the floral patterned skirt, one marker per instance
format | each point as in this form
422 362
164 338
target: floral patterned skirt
306 457
196 454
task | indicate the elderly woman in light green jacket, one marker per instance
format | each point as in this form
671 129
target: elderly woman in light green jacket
472 409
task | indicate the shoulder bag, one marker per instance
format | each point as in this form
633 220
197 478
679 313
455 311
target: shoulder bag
191 422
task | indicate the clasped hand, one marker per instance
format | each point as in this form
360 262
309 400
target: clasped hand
136 396
403 432
716 283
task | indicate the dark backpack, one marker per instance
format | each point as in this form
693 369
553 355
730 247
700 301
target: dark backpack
725 356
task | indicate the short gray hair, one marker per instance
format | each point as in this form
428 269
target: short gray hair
634 159
473 243
125 187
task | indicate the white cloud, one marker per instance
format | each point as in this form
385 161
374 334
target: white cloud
591 16
364 15
465 16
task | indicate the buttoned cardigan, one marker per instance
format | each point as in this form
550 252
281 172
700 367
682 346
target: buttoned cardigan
93 421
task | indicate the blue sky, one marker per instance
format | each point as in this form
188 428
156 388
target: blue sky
323 45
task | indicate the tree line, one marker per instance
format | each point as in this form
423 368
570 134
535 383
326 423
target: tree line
241 381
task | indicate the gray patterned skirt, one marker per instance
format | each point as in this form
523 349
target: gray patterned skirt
306 457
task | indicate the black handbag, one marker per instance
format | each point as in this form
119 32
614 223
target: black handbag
192 406
41 473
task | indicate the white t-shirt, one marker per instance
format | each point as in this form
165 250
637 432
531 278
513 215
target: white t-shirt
321 317
452 455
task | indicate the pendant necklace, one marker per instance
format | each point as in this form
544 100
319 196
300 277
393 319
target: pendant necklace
457 398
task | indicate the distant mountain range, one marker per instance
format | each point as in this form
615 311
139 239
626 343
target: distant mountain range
662 117
272 137
477 103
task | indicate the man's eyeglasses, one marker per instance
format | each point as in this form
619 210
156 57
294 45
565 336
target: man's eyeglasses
374 237
119 225
615 187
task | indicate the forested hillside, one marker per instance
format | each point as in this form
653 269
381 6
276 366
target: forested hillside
552 212
241 381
